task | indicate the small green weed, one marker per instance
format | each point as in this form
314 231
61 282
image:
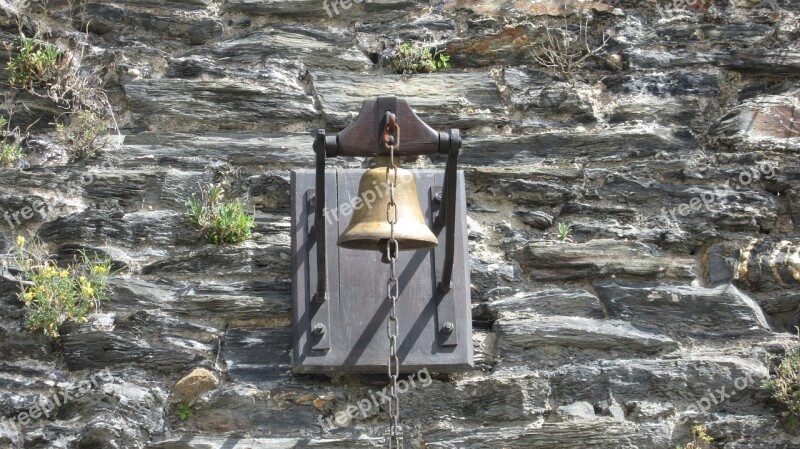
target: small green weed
10 149
701 439
785 387
53 295
35 64
414 57
84 136
564 230
220 222
184 412
10 154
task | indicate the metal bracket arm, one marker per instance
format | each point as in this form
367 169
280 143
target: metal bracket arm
447 214
321 294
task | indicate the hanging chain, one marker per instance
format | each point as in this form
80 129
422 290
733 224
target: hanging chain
393 291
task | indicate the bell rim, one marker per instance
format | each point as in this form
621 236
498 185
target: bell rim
372 238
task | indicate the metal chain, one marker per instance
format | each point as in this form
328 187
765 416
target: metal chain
393 292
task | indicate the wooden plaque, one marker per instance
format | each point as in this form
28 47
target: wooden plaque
355 316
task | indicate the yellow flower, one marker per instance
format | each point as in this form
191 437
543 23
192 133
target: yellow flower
87 289
28 296
20 240
82 279
63 274
100 269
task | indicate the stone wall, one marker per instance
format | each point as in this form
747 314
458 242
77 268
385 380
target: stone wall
672 152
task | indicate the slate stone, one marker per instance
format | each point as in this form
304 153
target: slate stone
98 350
501 397
678 111
702 206
132 190
675 83
104 18
277 102
248 361
239 410
137 228
510 45
190 152
598 434
518 339
442 100
20 210
550 302
540 93
680 382
768 264
249 302
223 260
579 410
749 431
191 440
536 219
770 122
599 145
717 312
599 258
307 45
375 9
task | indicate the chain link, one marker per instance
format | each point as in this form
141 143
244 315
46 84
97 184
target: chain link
393 292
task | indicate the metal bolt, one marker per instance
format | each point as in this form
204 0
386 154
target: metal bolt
312 199
448 327
319 330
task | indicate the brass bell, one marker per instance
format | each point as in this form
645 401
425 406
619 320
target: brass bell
369 227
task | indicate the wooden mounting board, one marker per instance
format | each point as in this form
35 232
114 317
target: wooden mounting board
355 316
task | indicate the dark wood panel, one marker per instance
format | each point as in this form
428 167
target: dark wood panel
362 137
358 305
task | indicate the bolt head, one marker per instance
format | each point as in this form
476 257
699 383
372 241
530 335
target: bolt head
319 330
448 327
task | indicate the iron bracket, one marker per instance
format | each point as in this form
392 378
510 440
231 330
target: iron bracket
319 308
364 138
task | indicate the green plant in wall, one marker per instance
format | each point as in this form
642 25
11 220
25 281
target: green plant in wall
564 231
47 71
221 222
10 149
10 153
785 387
184 412
414 57
84 135
701 439
36 63
53 295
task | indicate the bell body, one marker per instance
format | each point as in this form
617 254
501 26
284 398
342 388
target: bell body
369 228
